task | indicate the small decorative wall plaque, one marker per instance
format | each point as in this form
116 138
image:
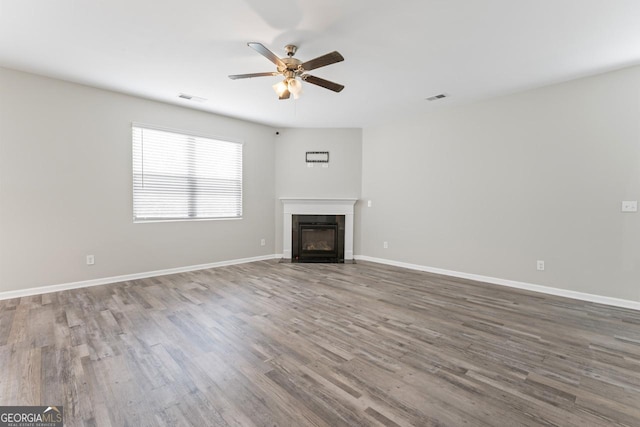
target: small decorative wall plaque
317 157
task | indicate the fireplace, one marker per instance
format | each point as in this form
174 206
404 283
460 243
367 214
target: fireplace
317 238
318 212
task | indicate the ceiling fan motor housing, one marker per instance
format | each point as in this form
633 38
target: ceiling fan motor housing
293 65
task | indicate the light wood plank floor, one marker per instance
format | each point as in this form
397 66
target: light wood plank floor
269 344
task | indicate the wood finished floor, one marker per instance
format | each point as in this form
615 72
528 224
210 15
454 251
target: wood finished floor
269 344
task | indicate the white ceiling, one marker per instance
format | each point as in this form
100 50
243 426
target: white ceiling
397 53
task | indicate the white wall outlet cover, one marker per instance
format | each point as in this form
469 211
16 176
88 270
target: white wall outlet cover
368 203
630 206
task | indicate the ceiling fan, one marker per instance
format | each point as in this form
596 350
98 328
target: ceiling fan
292 69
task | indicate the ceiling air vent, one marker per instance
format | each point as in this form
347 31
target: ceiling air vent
436 97
191 97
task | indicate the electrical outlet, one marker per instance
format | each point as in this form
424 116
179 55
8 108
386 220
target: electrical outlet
540 265
630 206
369 203
263 242
385 245
91 260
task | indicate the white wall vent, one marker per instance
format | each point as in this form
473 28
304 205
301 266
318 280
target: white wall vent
436 97
191 97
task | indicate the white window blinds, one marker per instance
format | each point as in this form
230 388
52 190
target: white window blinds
181 176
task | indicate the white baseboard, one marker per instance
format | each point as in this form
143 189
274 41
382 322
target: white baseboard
115 279
617 302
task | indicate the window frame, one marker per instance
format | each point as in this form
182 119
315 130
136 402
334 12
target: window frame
189 178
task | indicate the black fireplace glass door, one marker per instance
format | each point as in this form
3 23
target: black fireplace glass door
318 241
317 238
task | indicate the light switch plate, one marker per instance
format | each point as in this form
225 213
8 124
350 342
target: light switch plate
630 206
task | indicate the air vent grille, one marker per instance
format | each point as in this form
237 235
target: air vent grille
436 97
191 97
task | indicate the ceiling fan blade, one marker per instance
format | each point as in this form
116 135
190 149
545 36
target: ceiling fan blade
262 50
248 76
322 82
285 95
321 61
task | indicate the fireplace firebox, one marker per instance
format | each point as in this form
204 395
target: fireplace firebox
317 238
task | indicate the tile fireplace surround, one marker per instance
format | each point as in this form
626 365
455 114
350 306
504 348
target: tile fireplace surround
303 206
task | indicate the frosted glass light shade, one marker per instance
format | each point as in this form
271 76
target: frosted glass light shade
295 87
280 88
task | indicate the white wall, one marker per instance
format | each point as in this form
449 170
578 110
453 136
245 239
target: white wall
66 186
492 187
342 178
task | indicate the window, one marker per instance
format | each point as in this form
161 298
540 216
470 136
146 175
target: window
179 176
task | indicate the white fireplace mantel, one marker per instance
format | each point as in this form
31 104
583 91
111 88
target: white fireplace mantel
323 206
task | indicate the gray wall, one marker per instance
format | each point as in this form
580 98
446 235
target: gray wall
492 187
66 187
486 189
342 179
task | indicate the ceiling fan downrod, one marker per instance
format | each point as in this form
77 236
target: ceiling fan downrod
291 50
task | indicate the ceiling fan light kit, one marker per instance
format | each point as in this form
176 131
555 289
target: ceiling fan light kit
295 87
292 69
